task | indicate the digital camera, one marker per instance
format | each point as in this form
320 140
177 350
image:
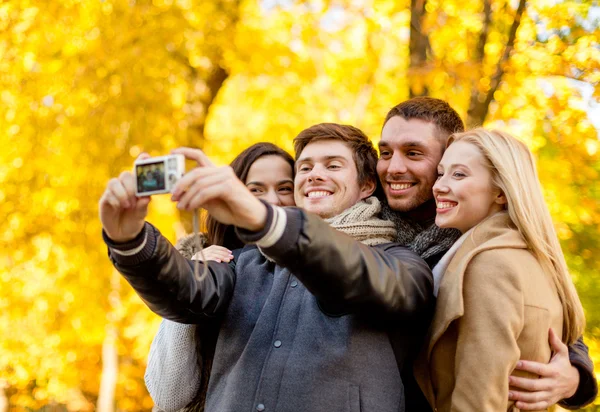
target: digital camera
158 175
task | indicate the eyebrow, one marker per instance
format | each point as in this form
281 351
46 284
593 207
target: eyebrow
410 143
278 183
312 159
453 165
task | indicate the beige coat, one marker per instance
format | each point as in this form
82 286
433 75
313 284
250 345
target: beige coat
495 306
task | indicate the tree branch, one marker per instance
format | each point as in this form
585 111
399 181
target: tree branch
479 109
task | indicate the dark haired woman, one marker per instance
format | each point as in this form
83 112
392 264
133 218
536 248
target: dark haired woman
179 351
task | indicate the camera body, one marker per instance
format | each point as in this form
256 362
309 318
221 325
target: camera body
158 175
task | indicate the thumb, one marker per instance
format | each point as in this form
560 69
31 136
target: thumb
556 344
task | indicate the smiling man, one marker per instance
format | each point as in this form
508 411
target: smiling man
321 314
413 140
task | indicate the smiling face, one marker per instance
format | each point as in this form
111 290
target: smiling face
327 180
464 192
270 178
409 153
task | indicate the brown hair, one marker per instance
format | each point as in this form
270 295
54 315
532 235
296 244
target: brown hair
429 109
224 235
363 151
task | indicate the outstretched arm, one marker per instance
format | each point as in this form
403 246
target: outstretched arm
341 271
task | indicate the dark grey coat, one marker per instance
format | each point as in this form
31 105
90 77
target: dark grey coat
325 329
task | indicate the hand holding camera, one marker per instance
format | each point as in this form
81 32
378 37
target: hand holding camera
124 204
219 191
122 213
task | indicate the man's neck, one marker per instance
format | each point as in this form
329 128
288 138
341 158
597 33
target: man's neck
424 213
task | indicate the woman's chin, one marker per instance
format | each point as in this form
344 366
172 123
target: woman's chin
444 223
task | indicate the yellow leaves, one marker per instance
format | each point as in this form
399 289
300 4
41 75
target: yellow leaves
592 146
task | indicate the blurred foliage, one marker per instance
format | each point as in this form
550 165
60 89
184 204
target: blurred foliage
85 86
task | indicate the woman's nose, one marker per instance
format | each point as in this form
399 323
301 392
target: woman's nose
272 198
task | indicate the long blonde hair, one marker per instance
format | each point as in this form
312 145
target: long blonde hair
514 172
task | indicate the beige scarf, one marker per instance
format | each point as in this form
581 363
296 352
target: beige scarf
362 222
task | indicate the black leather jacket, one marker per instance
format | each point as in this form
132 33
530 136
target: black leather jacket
369 301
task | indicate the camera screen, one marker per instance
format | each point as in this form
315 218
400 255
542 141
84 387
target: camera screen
150 177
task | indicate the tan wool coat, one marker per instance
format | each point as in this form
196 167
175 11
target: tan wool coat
495 306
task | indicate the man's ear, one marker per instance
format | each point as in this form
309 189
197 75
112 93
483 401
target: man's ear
367 189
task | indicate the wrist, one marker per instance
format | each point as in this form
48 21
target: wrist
122 238
123 241
258 218
574 380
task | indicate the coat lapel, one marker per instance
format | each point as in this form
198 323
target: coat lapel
495 232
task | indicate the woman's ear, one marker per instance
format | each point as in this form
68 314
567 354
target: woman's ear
501 199
367 189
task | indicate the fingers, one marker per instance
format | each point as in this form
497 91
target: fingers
120 193
213 183
195 176
202 197
529 397
537 368
530 385
556 344
110 199
117 190
214 253
143 156
536 406
194 154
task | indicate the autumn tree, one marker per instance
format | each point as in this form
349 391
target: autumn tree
87 85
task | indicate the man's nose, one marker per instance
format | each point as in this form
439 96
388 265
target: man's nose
397 164
316 173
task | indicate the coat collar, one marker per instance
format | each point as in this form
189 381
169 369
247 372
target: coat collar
495 232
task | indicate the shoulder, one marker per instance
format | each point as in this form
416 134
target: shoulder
498 267
397 251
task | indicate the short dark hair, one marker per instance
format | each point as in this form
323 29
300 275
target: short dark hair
363 151
224 235
429 109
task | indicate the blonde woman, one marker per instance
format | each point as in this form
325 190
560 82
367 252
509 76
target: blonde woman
502 285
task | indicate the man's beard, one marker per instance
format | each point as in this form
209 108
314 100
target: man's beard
410 204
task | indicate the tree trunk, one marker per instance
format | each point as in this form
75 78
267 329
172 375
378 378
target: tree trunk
480 102
3 397
196 136
419 43
110 357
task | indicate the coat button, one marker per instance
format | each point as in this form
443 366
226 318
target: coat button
260 407
294 283
277 343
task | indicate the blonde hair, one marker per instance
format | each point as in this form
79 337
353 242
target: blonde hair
514 172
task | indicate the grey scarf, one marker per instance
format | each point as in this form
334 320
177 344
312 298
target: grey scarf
425 239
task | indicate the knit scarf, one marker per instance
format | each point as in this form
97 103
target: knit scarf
362 222
425 239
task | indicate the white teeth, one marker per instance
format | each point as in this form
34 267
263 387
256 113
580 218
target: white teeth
400 186
318 193
446 205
